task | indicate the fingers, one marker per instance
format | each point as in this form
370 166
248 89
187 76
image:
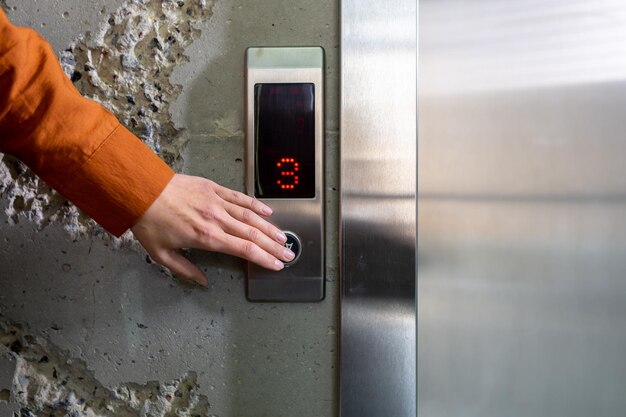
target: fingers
193 212
181 266
255 235
243 200
238 239
246 216
248 250
248 235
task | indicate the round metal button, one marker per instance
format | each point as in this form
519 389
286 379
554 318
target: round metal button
294 245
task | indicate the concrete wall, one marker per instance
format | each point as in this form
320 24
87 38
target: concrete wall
88 325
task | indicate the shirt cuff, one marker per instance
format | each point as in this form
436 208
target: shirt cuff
119 182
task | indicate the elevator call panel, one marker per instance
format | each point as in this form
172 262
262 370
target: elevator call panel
284 165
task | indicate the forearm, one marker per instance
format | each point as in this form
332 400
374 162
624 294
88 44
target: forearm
72 143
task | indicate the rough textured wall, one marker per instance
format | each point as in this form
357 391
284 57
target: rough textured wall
50 383
86 329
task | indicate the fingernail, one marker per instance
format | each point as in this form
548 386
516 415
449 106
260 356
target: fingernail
266 210
279 264
289 254
281 237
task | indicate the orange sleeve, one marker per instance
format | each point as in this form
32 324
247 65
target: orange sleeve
74 144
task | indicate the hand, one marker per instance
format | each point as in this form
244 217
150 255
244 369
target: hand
193 212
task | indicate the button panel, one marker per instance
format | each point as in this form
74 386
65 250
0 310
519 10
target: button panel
285 165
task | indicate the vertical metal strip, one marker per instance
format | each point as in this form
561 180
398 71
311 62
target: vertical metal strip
378 211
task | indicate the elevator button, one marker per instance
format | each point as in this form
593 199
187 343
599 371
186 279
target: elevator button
294 245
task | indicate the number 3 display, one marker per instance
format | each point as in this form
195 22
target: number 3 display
285 140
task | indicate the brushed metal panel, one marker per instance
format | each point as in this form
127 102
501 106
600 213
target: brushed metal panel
304 280
522 208
378 157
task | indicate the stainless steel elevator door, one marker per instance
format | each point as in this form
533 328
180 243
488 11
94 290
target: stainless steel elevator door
522 208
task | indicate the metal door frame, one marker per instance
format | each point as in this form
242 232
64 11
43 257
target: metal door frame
378 208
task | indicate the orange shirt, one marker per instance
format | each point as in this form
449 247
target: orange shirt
74 144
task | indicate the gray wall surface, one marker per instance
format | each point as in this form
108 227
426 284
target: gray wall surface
90 324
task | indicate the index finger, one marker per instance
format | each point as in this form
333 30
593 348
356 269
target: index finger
243 200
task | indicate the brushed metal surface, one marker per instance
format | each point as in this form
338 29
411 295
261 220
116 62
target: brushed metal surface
304 280
378 169
522 208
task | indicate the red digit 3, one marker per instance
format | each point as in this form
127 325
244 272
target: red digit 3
288 173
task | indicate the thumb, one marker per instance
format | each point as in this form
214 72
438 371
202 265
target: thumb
181 266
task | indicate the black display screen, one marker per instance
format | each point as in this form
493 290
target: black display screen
284 129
